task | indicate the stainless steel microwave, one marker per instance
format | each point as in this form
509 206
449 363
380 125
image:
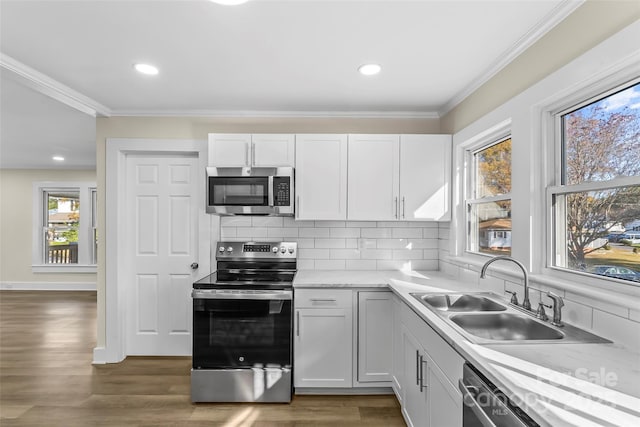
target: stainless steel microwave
250 191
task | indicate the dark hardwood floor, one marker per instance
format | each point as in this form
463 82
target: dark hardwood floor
47 379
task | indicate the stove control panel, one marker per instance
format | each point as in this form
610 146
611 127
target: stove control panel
257 250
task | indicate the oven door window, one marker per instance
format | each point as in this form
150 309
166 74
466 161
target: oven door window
230 333
238 191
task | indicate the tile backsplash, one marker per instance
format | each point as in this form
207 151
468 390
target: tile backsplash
344 245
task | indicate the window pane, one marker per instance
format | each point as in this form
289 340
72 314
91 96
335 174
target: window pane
595 232
62 223
493 170
490 227
601 141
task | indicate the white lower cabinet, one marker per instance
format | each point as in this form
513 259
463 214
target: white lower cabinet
323 338
375 335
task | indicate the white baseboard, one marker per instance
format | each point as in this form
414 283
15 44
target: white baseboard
48 286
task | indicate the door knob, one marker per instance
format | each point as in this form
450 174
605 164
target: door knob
194 265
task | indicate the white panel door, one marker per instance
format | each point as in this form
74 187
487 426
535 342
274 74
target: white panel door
321 177
373 177
273 150
425 169
375 336
163 231
229 149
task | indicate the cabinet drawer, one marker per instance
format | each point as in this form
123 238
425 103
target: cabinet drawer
323 298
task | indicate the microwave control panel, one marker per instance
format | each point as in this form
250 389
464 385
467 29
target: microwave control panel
281 191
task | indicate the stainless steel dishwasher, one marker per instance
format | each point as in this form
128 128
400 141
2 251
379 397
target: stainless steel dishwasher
484 405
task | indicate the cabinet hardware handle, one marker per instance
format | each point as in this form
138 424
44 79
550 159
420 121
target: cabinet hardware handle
417 368
298 205
403 207
395 203
253 154
297 323
322 299
422 363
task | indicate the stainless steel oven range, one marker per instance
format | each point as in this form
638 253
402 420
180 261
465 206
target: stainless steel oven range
242 324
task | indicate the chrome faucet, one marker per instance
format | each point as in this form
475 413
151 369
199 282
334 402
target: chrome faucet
526 304
558 303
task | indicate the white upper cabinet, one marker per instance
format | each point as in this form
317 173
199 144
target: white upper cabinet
373 179
321 176
247 150
425 170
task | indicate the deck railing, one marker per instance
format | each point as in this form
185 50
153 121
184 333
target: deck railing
62 254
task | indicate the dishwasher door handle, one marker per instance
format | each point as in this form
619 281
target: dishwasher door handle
470 401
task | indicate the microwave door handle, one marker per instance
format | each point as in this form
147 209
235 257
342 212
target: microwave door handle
270 197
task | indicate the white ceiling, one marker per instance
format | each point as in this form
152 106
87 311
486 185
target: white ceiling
265 58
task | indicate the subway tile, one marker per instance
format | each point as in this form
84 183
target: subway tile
235 221
330 224
400 224
282 233
617 329
376 233
599 305
290 222
306 264
430 254
634 315
376 254
360 224
306 243
392 244
351 243
228 232
334 264
345 254
360 264
422 243
392 265
407 254
251 232
576 314
413 233
314 253
345 232
331 243
430 233
267 221
425 265
313 232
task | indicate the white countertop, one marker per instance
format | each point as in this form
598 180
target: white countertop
556 384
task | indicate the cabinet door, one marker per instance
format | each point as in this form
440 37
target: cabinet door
229 149
321 177
322 348
373 182
273 150
414 402
425 174
397 361
375 335
445 402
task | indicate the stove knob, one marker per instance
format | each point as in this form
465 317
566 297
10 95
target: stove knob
230 249
221 249
274 249
290 250
283 249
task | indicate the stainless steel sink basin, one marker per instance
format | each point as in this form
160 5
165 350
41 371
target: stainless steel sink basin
459 302
505 327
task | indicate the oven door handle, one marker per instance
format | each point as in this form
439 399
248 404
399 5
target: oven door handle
245 295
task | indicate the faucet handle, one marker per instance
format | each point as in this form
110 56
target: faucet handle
540 314
514 297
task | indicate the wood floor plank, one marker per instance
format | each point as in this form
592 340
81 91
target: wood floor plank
47 379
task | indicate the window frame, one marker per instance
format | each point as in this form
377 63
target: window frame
86 256
479 142
553 170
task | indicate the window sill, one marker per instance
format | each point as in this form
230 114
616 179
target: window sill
64 269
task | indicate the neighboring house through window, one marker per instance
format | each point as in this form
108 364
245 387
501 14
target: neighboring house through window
64 227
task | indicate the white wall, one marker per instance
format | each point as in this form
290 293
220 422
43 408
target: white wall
16 230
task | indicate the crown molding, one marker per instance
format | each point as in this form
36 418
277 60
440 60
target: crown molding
277 114
548 22
52 88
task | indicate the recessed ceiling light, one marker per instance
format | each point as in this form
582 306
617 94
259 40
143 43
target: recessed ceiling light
369 69
146 69
58 158
230 2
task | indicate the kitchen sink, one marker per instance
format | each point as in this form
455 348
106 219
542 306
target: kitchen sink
459 302
506 327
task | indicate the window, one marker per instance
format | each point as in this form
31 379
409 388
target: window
65 217
489 199
596 204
